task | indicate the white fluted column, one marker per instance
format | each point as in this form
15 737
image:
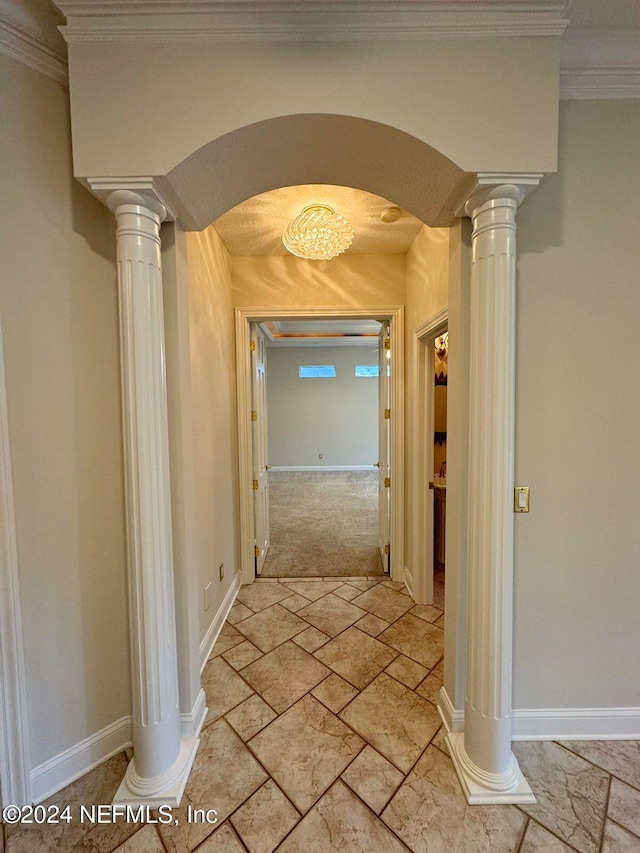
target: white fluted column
162 759
486 765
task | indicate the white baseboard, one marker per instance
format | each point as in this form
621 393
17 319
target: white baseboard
322 468
576 724
192 722
67 766
452 718
408 581
558 723
207 644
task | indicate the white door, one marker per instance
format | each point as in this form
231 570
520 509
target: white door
384 436
259 441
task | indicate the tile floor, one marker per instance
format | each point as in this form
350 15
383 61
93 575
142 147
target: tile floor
323 735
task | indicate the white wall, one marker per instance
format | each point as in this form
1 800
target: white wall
577 577
213 406
337 418
58 300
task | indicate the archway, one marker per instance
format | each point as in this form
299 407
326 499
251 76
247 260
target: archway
374 157
316 149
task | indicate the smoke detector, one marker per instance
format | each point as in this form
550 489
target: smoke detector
390 214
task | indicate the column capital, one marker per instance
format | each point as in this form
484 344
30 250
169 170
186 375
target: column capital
120 198
500 185
142 191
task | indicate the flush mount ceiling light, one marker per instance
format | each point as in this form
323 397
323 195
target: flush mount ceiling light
317 234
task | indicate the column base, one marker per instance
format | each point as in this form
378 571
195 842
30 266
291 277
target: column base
166 790
481 788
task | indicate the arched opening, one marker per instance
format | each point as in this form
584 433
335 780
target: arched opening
316 149
335 150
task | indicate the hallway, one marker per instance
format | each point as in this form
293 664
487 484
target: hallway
323 523
323 735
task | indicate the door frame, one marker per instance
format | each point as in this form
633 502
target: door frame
384 447
15 764
423 425
259 450
244 317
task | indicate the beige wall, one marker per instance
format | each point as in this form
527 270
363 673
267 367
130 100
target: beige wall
347 281
175 285
427 294
453 95
337 417
427 276
213 405
59 313
457 460
577 584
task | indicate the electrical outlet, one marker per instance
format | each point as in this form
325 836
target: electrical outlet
221 571
207 597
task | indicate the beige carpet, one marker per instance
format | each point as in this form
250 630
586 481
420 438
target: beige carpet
323 524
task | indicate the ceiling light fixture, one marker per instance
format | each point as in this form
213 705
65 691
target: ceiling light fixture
317 234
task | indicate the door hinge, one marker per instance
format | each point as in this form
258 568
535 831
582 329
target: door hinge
387 549
387 343
255 485
387 482
387 414
254 415
252 346
256 551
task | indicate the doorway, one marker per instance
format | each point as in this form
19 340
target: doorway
322 419
424 562
246 319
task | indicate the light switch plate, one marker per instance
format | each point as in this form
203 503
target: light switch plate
521 499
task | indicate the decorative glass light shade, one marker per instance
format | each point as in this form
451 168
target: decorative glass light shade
317 234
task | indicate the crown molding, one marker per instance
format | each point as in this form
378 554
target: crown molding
592 83
324 20
596 64
18 42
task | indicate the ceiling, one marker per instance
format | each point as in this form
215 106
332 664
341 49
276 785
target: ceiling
255 226
327 333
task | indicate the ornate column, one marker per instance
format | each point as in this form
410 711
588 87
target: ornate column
486 766
162 759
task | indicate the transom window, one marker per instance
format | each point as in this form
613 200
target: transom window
367 370
317 371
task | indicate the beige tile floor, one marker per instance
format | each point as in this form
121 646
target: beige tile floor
323 735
